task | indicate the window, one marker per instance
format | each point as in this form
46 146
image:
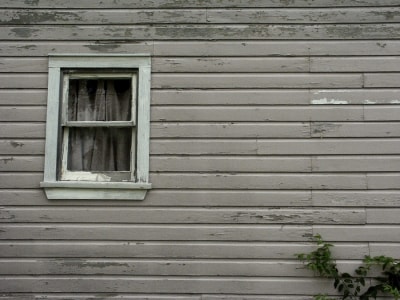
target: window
97 131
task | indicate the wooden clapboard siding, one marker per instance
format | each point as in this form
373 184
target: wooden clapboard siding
271 121
286 48
193 3
183 216
244 15
176 249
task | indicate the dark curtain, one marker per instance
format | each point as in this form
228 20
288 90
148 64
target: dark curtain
99 148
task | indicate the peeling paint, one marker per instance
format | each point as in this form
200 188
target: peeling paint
328 101
86 176
7 160
103 47
24 32
16 144
369 102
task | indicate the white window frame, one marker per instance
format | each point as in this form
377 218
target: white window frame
84 185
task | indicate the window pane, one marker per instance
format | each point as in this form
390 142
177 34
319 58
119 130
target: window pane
99 99
99 149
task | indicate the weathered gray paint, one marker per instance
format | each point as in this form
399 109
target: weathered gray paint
271 121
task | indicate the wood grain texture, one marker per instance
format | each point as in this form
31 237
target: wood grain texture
263 81
21 163
275 147
256 113
173 249
231 97
178 198
156 232
229 130
192 3
23 97
357 129
183 216
230 164
22 130
355 64
236 65
18 146
248 16
355 96
123 284
202 32
376 163
371 198
371 233
19 113
184 48
170 267
261 181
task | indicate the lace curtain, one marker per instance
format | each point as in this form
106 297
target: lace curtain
99 148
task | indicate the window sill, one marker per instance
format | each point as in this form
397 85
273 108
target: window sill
95 190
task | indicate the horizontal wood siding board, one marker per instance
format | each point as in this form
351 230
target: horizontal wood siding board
356 129
256 113
381 80
264 48
122 284
169 267
355 64
355 96
331 146
101 16
388 31
305 16
371 198
236 65
186 216
383 216
239 65
263 81
371 233
171 250
23 81
20 180
231 97
21 147
21 163
260 181
388 249
22 130
156 232
23 97
244 15
230 130
382 113
275 147
166 198
229 164
356 163
383 180
28 114
276 97
192 4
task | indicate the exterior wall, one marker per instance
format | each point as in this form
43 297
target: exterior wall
271 121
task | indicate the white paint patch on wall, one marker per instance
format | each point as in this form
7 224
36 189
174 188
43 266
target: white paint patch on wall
328 101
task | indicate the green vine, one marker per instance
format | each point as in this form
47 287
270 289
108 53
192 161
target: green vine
353 287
